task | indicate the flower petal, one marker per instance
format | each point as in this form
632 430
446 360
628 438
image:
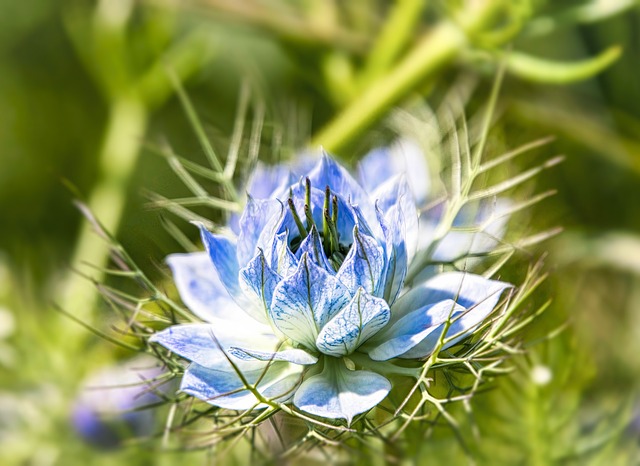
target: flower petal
477 294
328 172
486 216
338 393
258 280
396 252
258 222
312 247
200 287
294 355
203 343
279 256
362 318
225 389
269 179
397 193
413 329
364 265
222 251
404 156
303 302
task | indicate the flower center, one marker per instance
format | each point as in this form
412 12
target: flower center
333 249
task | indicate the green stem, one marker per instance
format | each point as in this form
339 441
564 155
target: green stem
118 155
432 53
395 35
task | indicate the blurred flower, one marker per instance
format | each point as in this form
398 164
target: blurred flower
110 408
305 299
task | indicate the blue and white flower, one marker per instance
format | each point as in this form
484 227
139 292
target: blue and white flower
305 297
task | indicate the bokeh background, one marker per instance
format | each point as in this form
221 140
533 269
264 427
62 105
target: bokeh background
88 92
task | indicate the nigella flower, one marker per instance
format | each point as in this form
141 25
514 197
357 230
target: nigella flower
110 407
305 300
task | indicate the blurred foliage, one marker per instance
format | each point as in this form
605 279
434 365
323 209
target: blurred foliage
327 72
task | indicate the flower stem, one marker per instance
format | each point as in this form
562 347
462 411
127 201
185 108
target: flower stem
433 52
118 154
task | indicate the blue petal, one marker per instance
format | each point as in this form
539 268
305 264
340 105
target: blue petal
330 173
396 193
303 302
364 265
259 221
222 251
393 228
477 294
338 393
295 356
200 287
362 318
266 180
403 157
258 280
312 247
204 343
413 329
279 256
225 389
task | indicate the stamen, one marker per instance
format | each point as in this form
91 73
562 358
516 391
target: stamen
333 235
307 191
309 217
301 229
326 218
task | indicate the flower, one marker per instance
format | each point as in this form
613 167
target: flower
304 298
110 406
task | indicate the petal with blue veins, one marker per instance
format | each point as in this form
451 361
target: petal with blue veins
279 256
358 321
312 247
412 330
303 302
224 388
364 265
258 280
338 393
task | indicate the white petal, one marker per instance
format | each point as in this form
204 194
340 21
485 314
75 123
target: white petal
225 389
294 355
200 287
413 329
467 289
338 393
202 343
